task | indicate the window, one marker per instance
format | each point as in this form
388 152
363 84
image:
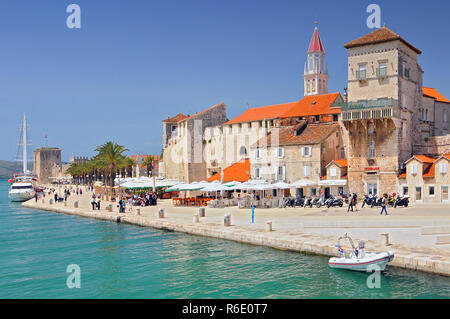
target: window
280 152
340 190
414 169
418 193
372 188
281 172
444 191
431 191
405 71
445 116
372 148
258 172
317 118
243 150
335 117
258 153
443 168
405 190
342 153
306 170
313 191
333 172
174 128
381 71
306 151
361 73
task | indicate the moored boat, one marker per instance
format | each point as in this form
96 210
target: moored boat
359 259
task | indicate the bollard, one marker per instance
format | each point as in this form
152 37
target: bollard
161 213
43 201
196 218
65 203
138 211
385 239
50 201
201 212
109 208
227 220
269 226
75 204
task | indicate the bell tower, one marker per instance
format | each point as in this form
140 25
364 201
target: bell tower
316 71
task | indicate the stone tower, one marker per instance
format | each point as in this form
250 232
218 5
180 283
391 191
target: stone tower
381 116
315 76
47 163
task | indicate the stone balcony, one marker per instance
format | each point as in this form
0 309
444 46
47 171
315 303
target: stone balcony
370 109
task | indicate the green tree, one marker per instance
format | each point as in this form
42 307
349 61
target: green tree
110 156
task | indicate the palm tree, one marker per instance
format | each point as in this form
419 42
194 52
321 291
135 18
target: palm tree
109 156
148 162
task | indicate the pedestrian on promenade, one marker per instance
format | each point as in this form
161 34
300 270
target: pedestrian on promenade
98 203
93 202
130 204
355 198
350 203
56 197
383 205
65 196
36 195
239 200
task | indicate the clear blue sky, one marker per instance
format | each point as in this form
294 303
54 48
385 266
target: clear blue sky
133 63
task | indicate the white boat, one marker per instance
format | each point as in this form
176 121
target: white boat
359 259
23 186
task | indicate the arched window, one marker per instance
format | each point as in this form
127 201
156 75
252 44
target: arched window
243 151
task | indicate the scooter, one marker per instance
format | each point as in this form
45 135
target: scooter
391 200
299 201
377 202
314 202
307 202
334 201
402 201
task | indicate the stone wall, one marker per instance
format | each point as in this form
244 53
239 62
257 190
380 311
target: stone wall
47 163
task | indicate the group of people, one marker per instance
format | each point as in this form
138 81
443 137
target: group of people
95 201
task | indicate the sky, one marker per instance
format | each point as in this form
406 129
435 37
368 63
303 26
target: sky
134 63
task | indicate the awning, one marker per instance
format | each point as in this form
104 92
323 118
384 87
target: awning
304 183
333 182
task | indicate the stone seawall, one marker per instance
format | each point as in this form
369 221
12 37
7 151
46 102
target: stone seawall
283 241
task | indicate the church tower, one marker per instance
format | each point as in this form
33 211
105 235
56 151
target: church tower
316 71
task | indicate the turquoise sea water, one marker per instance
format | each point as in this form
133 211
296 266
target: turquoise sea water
125 261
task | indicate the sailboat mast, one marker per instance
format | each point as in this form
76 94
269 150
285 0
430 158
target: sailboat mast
24 145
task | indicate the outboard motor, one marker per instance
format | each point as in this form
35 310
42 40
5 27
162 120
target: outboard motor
361 249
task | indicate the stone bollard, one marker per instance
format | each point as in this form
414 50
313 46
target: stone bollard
201 212
196 218
138 211
161 213
50 201
75 204
65 203
269 226
109 208
227 220
43 201
385 239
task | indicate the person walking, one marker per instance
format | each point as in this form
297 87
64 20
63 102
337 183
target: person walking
350 204
36 196
98 202
355 198
93 202
383 205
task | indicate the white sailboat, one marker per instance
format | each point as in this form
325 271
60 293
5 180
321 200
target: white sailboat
23 185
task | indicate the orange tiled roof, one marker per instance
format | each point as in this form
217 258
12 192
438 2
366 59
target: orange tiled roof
311 134
433 93
425 158
402 175
341 162
177 118
237 172
429 171
378 36
309 105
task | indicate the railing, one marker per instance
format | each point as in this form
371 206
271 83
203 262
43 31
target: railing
369 104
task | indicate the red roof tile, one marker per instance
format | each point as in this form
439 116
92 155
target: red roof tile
378 36
237 172
177 118
311 134
433 93
429 171
340 162
309 105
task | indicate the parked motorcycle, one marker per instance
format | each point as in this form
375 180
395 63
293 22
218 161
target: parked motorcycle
368 200
402 201
299 201
307 202
377 202
334 201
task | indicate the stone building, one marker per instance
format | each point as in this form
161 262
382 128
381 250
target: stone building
47 164
140 170
315 76
335 180
184 143
296 154
427 179
382 112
